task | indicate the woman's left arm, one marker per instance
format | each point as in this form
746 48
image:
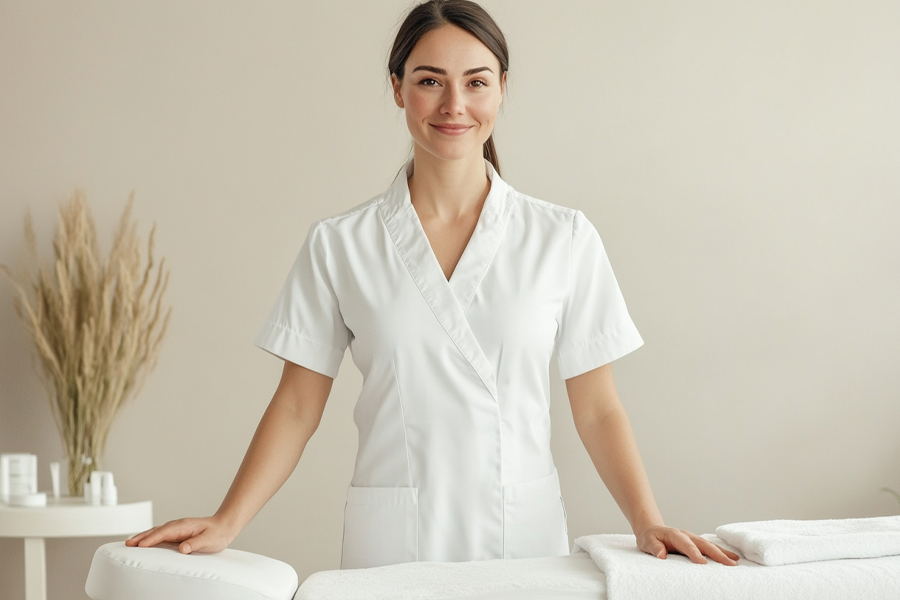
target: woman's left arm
604 429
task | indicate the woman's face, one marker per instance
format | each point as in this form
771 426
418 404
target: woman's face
451 90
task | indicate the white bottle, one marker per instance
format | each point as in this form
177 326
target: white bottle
54 479
95 484
109 494
4 478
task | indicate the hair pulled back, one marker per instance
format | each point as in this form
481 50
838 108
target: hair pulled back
466 15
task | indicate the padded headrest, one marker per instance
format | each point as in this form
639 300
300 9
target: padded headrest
162 573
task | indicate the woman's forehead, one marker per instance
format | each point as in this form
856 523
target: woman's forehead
453 50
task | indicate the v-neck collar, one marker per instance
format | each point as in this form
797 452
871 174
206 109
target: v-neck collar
479 250
449 299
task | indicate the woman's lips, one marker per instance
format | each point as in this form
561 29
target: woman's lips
452 129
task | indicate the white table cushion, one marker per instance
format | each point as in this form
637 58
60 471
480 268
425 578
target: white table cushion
570 577
162 573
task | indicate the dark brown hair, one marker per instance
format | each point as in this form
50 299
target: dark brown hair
464 14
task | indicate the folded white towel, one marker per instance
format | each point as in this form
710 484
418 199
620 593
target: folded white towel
553 576
788 542
634 575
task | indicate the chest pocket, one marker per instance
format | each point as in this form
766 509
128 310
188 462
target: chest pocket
380 527
534 519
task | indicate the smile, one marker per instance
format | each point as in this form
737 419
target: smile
452 129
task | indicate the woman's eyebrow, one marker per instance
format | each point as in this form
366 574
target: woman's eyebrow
440 71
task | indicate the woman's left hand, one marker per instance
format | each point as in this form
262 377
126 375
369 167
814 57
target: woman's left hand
660 540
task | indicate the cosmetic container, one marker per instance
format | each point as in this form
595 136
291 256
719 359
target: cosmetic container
18 475
28 500
95 484
4 478
54 478
109 493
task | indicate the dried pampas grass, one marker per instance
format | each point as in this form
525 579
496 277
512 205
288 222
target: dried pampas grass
97 327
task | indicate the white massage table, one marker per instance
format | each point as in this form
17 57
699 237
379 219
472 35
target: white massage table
120 573
614 568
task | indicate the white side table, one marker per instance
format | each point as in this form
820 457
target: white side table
66 517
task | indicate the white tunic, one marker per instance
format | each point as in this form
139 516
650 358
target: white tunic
454 456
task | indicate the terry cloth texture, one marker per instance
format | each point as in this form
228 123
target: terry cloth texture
789 542
634 575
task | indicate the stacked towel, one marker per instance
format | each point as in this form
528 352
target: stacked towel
553 577
634 575
789 542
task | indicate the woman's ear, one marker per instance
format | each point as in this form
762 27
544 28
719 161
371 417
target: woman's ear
503 86
395 84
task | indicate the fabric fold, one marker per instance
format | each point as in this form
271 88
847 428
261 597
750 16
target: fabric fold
785 542
634 575
405 228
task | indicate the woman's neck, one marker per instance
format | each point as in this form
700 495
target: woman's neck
445 189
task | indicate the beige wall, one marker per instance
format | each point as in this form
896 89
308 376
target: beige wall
739 159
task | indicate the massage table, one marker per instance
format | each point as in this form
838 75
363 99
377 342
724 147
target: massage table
122 573
611 568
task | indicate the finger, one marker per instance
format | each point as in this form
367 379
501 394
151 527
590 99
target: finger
681 542
204 542
193 544
715 552
173 531
138 537
655 548
133 540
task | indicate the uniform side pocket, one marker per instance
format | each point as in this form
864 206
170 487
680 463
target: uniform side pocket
534 520
380 527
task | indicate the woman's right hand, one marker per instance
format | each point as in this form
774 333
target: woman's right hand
207 535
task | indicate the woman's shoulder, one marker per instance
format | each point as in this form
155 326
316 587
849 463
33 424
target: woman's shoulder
530 207
543 205
548 219
349 222
351 215
368 210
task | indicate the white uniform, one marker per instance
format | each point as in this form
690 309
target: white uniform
454 456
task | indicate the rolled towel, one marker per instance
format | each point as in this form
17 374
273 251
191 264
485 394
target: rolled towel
787 542
633 575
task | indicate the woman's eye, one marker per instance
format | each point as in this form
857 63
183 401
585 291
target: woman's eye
478 83
428 81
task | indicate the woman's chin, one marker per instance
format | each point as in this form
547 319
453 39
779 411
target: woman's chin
452 152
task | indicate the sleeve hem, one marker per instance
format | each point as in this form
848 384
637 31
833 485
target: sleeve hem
287 344
598 351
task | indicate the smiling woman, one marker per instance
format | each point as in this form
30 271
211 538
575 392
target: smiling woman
453 292
458 24
451 108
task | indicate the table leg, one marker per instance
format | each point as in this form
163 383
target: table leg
35 569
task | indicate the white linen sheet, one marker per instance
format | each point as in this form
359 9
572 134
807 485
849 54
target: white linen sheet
572 577
624 573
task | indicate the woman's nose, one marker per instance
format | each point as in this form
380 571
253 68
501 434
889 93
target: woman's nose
453 101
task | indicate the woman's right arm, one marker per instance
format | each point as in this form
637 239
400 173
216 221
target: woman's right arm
290 420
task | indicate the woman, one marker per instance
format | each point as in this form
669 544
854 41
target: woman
453 291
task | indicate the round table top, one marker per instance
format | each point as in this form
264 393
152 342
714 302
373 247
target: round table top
71 517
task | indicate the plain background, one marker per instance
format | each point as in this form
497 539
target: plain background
741 161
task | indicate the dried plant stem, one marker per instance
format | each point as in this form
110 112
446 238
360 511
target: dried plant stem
97 327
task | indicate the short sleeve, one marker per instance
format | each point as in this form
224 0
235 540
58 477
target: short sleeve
305 325
594 325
